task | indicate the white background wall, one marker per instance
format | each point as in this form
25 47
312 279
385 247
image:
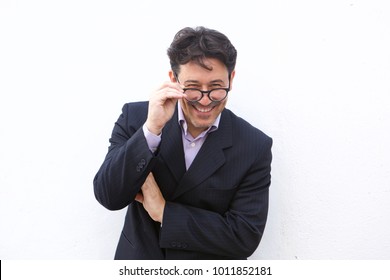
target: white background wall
314 75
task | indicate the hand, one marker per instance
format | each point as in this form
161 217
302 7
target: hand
162 106
152 199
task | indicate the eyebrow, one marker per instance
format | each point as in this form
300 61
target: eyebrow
211 82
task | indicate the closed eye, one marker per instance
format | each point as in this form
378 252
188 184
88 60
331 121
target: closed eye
217 83
192 86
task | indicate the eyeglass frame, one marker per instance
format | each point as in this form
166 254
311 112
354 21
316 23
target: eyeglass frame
203 92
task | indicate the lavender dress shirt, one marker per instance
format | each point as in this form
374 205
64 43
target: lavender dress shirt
191 145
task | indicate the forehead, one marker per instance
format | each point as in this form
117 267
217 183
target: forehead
193 71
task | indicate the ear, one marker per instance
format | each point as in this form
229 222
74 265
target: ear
172 76
231 78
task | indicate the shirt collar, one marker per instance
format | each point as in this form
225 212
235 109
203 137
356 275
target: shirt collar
184 126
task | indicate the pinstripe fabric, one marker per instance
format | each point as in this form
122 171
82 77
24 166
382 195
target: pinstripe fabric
215 210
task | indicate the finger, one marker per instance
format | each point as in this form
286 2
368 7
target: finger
172 85
149 182
168 93
177 86
139 197
150 187
164 95
151 177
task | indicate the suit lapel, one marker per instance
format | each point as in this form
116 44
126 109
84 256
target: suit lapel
209 158
171 148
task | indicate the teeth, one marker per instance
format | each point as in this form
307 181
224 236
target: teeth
204 110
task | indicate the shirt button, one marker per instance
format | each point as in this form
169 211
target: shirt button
193 144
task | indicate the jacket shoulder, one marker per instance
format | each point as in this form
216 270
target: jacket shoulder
135 113
140 107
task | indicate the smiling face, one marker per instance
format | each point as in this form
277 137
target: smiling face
202 114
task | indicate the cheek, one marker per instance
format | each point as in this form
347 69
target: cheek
184 105
221 106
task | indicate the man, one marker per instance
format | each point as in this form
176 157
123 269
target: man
194 176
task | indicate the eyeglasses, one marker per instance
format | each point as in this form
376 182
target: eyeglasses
215 94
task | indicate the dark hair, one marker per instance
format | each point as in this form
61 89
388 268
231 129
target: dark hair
196 44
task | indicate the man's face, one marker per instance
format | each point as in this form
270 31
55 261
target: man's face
202 114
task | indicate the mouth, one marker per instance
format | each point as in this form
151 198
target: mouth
203 109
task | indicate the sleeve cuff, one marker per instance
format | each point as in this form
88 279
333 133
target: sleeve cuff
152 139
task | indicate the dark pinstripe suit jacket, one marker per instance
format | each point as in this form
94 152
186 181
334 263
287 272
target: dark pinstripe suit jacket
215 210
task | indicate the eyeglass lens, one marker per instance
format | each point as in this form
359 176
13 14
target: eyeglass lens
214 95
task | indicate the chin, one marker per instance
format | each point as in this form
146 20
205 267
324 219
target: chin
203 125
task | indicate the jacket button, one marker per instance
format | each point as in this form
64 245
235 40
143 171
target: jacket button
141 165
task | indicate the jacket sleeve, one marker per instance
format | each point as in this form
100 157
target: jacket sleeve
127 162
237 232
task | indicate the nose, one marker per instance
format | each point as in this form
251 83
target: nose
205 100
